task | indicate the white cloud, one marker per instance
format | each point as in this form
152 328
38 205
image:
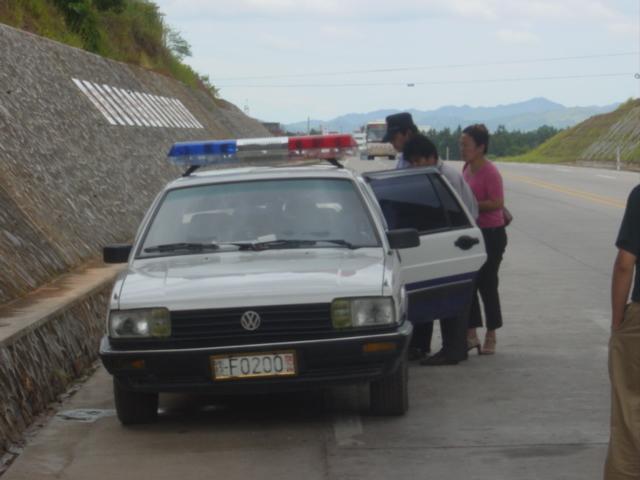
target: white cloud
624 29
518 37
279 42
341 33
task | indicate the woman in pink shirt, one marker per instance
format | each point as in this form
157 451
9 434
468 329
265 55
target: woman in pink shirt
486 183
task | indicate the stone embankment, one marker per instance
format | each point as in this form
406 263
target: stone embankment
83 142
77 170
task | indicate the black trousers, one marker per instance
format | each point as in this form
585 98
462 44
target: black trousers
454 337
495 240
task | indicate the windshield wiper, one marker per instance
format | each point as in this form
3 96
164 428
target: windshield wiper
172 247
294 243
342 242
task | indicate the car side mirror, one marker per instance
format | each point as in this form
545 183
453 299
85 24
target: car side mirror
116 253
403 238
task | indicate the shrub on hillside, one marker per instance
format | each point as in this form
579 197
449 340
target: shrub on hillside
131 31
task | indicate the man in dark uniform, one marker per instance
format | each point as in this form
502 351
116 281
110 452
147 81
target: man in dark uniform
400 129
623 459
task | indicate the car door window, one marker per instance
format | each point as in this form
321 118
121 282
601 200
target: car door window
456 215
410 202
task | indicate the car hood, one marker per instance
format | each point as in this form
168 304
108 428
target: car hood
232 279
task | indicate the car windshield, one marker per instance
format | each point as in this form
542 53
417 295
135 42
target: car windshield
375 133
264 214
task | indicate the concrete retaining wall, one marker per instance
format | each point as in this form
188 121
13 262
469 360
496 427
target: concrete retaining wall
41 364
71 180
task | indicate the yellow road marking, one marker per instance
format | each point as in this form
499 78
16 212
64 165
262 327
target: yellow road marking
608 201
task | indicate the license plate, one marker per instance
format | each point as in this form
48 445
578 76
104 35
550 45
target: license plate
253 365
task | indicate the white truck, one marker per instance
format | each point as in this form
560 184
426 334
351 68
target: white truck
375 147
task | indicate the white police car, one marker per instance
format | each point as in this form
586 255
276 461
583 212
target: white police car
269 279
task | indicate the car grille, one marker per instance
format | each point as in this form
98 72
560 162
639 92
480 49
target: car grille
284 322
221 328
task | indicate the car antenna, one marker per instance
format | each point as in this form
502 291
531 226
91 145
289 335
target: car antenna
190 170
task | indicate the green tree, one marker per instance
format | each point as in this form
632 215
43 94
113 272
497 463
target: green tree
177 44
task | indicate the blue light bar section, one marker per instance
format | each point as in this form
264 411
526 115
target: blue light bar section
214 152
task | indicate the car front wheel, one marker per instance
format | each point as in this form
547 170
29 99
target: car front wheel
134 407
390 395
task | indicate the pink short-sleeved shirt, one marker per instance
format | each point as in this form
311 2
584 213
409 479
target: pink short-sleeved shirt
486 184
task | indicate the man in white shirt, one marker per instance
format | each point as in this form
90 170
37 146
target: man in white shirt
419 151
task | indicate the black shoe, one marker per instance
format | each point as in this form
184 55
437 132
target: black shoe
438 360
416 353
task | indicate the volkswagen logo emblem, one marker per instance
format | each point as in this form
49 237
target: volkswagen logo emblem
250 320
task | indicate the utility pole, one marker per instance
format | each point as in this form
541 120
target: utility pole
308 125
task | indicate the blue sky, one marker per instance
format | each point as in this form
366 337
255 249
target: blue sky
456 52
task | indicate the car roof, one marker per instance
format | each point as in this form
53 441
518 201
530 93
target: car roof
227 175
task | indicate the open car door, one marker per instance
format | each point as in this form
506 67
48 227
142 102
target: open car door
438 275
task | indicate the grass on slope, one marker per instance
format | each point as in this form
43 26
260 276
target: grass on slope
130 31
566 146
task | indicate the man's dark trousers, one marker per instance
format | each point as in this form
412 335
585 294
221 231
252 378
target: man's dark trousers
454 337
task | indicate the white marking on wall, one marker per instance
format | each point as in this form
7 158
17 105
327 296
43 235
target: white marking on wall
192 120
173 107
105 105
94 101
144 110
171 110
164 119
161 107
131 106
123 105
152 113
183 118
148 118
127 107
114 105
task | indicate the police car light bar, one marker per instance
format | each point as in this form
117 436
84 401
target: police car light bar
222 152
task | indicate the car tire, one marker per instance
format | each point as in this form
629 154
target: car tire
391 157
134 407
369 157
390 395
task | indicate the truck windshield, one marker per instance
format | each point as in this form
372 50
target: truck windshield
305 213
375 133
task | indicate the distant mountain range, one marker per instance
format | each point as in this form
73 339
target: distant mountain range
524 116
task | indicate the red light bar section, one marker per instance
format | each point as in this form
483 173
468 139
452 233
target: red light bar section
320 142
327 147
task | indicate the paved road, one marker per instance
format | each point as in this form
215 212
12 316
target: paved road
536 410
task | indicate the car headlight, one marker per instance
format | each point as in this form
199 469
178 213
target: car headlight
143 323
362 312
